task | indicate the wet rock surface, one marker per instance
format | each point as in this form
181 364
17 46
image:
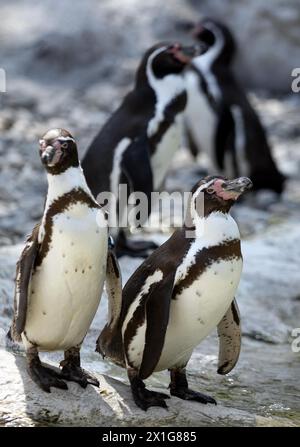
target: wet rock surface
79 95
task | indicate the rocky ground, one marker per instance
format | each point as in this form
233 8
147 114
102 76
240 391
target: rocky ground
83 85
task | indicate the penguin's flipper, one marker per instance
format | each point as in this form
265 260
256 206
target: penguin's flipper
23 276
229 332
157 308
136 165
113 282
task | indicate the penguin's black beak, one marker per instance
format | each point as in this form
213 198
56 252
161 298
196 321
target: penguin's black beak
238 185
47 155
187 53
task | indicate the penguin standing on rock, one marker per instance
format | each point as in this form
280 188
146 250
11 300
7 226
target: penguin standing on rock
61 271
136 146
179 295
220 121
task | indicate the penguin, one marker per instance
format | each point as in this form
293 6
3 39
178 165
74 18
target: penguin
136 145
61 271
179 295
219 119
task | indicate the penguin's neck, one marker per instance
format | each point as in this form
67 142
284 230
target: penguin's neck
215 228
60 184
204 64
166 89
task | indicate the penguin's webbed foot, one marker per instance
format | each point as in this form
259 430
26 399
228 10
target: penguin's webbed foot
144 398
187 394
45 377
76 374
72 371
179 388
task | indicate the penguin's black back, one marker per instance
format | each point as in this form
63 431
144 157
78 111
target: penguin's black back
130 120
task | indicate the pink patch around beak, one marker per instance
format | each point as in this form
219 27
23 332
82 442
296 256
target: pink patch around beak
225 195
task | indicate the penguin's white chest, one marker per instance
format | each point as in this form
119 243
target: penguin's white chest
165 150
65 290
201 119
198 309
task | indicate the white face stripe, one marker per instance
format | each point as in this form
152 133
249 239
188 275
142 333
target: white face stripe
205 61
150 60
41 141
197 219
202 187
165 89
66 139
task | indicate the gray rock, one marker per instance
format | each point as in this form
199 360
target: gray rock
22 403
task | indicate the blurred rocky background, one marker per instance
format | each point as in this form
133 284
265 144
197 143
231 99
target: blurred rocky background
68 63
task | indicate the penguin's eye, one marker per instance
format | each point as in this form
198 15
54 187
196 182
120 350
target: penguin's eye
64 145
210 190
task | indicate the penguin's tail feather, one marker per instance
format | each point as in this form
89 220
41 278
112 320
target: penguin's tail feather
13 341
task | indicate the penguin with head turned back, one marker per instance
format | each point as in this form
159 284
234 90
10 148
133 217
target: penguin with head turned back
61 271
136 146
179 295
220 120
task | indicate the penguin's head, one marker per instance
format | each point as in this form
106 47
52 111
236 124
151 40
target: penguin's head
217 193
215 35
164 59
58 151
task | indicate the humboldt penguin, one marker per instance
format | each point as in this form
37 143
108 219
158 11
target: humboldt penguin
61 271
220 121
179 294
137 144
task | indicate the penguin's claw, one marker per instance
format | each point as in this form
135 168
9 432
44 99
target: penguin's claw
76 374
187 394
46 378
144 400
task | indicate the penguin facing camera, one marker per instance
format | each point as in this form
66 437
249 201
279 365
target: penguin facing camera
62 269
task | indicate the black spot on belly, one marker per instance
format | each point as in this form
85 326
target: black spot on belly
227 251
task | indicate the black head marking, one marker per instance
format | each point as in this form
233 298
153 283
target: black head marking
210 32
58 151
165 58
